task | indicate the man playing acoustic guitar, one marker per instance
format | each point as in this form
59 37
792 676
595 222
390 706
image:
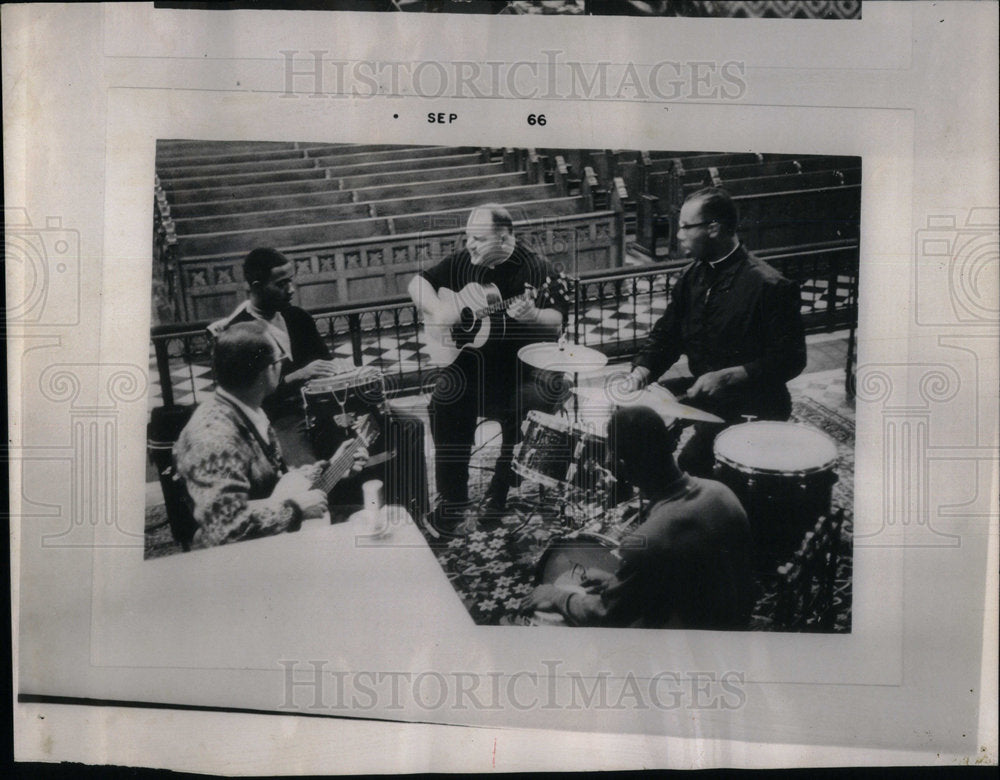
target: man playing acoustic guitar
498 286
230 459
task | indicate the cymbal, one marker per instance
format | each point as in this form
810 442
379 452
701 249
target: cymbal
569 358
657 398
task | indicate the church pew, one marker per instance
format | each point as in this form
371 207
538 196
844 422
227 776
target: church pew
220 187
169 148
242 241
342 270
485 181
171 173
791 181
325 197
336 166
677 165
520 211
446 170
335 162
244 238
220 195
167 161
767 219
297 159
332 197
382 208
264 219
203 183
793 217
195 197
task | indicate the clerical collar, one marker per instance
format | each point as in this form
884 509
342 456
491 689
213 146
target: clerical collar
716 264
255 416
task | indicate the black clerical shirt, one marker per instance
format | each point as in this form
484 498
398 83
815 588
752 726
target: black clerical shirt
738 312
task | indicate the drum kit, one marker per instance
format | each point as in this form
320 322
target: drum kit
566 452
782 472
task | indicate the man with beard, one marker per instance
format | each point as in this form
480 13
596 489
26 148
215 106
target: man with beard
736 318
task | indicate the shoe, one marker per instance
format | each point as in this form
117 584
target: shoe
493 510
445 520
496 497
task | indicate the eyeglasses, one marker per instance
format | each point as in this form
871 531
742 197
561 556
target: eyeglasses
696 224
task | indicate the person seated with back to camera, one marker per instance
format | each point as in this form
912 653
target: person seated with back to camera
688 565
229 457
270 283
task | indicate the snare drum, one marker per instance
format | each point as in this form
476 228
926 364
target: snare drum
332 404
566 559
783 473
559 454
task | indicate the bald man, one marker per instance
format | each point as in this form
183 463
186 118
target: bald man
483 382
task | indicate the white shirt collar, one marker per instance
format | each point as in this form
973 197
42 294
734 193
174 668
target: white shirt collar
256 416
275 325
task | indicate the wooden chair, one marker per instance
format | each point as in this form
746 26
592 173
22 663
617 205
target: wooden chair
165 426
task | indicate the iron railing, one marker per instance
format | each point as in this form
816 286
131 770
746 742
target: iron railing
611 312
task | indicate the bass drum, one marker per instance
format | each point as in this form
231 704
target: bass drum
783 474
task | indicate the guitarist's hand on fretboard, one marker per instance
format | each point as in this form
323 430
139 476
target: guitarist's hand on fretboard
360 456
524 309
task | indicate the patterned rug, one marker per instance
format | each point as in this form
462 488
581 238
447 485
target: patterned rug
493 571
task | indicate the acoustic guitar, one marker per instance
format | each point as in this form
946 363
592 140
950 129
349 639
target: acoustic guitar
367 433
469 322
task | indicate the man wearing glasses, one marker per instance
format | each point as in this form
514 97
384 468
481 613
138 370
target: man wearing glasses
229 456
735 318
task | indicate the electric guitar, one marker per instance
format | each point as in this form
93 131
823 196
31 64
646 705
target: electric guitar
367 433
468 323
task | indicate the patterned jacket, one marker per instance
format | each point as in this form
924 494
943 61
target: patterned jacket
229 475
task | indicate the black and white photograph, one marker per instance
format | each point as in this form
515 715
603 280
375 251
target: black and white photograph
424 386
717 9
610 387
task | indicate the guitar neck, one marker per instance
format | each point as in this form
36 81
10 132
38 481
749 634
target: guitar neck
338 468
502 305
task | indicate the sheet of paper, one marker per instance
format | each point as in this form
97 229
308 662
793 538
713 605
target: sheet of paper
371 634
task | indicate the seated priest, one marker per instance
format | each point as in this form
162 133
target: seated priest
229 457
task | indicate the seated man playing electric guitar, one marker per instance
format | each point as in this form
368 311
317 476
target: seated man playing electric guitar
479 305
229 456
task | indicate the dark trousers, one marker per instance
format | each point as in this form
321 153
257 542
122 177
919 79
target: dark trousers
697 457
473 387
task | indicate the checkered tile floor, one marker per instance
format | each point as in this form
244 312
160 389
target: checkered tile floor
600 322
